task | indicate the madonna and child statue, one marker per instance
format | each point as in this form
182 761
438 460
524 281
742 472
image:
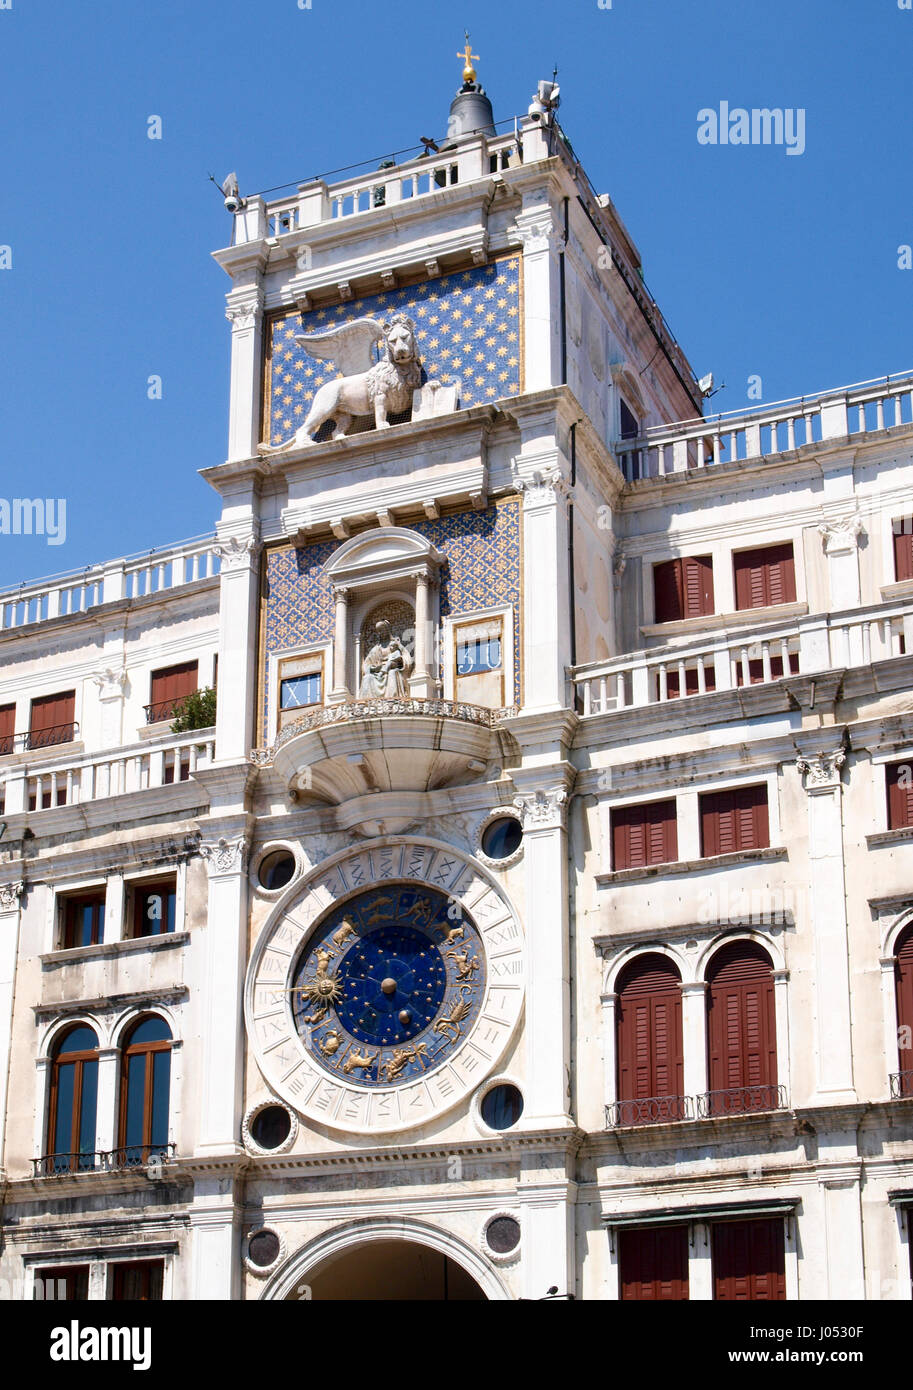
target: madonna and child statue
386 667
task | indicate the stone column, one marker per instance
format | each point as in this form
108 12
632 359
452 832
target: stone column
546 638
10 895
421 682
840 539
244 310
215 1223
238 597
820 772
543 814
340 692
111 684
224 948
694 1038
107 1107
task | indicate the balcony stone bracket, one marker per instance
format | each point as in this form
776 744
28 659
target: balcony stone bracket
377 761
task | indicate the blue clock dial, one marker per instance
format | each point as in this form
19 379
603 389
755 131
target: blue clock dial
389 984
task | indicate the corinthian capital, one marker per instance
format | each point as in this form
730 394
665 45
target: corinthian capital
225 856
542 810
821 771
236 552
10 893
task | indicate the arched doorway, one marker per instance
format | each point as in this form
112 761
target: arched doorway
387 1259
392 1271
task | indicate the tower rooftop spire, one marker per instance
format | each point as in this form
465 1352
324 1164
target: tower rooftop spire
470 110
469 72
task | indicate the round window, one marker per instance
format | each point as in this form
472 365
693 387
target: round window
276 869
502 837
501 1107
270 1127
263 1249
502 1235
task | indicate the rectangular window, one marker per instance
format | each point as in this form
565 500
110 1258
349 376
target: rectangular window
51 720
683 588
478 676
138 1281
82 919
903 547
653 1263
765 577
734 820
154 907
7 727
63 1282
298 691
749 1261
646 834
168 687
899 780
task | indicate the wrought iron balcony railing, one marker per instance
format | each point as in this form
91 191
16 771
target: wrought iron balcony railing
902 1085
163 709
28 739
133 1156
740 1100
649 1110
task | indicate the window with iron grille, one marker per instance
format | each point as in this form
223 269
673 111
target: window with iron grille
7 727
168 687
52 720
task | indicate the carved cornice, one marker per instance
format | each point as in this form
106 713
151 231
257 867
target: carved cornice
381 709
542 810
10 893
225 856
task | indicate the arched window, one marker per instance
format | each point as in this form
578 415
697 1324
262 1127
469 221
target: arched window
741 1031
903 983
649 1042
145 1088
74 1094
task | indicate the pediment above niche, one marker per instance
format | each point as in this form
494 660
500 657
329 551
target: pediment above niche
388 553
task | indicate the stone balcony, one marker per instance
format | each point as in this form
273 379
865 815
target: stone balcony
377 760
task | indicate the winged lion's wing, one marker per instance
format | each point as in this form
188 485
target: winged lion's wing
348 346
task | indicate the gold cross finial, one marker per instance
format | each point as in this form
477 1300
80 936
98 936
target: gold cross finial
469 72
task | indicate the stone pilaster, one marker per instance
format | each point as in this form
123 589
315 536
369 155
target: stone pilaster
244 310
819 769
239 590
10 898
223 972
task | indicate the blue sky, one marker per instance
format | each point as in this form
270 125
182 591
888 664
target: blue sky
764 263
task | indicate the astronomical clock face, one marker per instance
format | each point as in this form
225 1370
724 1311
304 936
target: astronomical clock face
389 984
388 989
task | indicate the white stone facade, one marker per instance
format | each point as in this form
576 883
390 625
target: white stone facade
589 719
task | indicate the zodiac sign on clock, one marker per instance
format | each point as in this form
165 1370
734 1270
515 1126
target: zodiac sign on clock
466 965
401 1056
359 1061
459 1010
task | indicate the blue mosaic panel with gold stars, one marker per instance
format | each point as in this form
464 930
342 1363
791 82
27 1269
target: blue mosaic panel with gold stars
482 569
389 985
467 328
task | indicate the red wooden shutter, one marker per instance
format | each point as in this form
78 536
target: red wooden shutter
51 719
649 1032
169 686
642 835
899 780
698 585
668 591
749 1261
741 1027
903 548
653 1263
683 588
903 980
7 727
733 821
765 576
